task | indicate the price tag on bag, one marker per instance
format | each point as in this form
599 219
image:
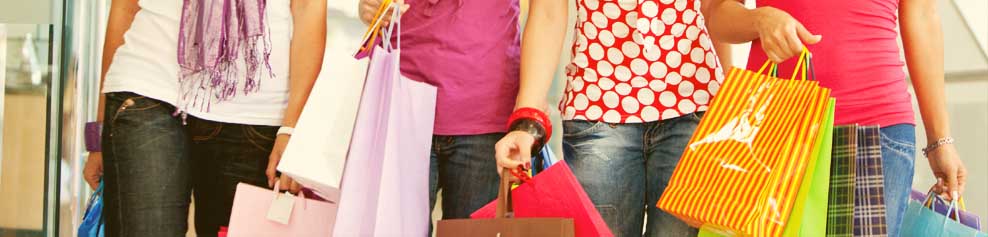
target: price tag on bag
281 208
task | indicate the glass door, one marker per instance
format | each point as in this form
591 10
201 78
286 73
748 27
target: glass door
25 53
38 105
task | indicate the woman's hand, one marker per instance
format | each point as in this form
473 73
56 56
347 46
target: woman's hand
949 170
781 35
93 171
368 8
514 150
286 182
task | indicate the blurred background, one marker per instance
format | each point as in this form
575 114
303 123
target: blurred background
50 54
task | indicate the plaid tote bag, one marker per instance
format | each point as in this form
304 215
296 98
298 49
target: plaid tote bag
840 207
869 184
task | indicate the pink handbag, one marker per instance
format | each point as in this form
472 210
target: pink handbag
251 206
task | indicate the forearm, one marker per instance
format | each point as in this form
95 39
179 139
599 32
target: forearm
542 42
725 54
121 16
305 60
730 22
922 41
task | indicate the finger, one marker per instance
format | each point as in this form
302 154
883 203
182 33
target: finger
952 183
286 183
93 184
295 187
272 171
367 17
367 12
770 50
502 150
508 161
795 45
941 187
806 36
961 180
525 153
783 47
404 8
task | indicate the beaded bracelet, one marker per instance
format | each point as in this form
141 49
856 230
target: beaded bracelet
937 144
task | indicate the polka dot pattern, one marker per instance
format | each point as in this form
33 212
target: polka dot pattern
640 61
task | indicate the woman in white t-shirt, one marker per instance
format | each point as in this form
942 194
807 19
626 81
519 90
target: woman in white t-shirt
199 96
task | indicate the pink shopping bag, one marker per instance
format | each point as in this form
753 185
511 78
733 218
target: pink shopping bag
555 192
386 178
252 204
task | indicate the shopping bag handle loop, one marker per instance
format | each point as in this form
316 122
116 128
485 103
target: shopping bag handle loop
374 30
277 191
387 34
955 207
504 193
804 67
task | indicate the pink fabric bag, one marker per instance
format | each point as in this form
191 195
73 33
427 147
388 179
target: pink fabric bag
385 190
251 204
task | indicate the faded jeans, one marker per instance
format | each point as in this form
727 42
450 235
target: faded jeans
624 168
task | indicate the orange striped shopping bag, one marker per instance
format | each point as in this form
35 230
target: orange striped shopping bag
742 168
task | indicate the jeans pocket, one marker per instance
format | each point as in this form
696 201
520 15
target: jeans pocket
901 146
202 130
580 128
129 103
262 133
262 137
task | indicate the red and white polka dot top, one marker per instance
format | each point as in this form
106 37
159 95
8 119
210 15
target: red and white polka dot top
640 61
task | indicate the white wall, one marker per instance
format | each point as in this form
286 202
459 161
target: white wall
975 12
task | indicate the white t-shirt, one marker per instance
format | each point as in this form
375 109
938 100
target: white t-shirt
147 64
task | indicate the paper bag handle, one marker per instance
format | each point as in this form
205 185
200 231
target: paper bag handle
277 191
804 67
504 191
503 195
374 30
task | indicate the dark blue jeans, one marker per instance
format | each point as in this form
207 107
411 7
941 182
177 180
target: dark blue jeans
898 163
153 164
223 155
146 168
464 168
625 168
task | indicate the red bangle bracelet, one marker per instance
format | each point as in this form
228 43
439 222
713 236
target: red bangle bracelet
535 114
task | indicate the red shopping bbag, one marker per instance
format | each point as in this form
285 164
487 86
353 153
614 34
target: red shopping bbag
555 192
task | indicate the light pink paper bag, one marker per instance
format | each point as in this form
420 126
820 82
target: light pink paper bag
386 178
249 216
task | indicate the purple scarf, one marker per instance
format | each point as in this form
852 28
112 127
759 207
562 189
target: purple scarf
216 37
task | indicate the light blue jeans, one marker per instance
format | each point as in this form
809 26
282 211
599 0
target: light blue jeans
898 167
624 168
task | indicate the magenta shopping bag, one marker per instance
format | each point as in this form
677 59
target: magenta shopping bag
554 192
261 212
385 190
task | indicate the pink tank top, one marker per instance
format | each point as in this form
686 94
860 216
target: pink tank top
858 57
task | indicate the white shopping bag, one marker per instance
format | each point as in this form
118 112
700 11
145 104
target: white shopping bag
316 154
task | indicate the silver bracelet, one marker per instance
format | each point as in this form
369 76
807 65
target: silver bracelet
937 144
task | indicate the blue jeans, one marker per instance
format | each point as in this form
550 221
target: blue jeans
624 168
224 155
146 168
464 168
898 163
